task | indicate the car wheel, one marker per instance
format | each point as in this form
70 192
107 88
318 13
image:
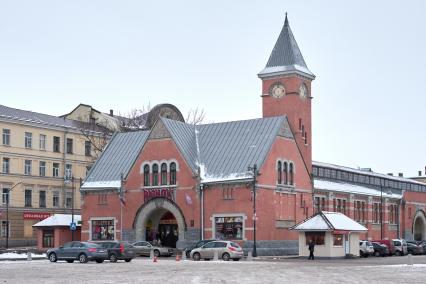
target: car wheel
398 253
53 257
99 260
83 258
226 256
196 256
128 260
113 258
376 253
156 253
70 260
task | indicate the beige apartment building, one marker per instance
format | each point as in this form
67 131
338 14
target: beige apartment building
43 159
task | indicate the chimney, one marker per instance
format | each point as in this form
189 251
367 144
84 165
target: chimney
401 174
420 173
390 174
111 112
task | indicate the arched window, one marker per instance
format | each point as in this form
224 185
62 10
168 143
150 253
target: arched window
173 173
291 173
279 173
146 175
163 174
285 172
154 174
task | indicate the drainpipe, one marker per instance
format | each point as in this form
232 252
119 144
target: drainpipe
202 210
64 137
398 233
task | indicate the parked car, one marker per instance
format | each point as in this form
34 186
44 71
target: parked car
400 247
145 248
419 243
388 243
365 248
226 250
118 250
414 249
380 249
81 251
198 244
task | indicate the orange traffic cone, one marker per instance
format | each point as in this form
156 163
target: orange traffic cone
155 259
177 257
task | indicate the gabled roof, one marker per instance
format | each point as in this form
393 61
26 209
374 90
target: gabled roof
117 159
59 220
286 57
329 221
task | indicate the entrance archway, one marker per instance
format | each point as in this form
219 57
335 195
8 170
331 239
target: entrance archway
419 226
162 219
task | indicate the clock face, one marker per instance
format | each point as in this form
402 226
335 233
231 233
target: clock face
278 91
303 92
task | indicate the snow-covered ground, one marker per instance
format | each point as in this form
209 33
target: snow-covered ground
14 255
143 270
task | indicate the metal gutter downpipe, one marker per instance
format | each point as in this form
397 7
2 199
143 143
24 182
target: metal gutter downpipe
202 210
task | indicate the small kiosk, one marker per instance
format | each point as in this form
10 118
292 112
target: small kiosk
334 234
55 230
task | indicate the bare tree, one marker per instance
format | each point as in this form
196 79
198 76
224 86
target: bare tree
135 119
195 116
98 136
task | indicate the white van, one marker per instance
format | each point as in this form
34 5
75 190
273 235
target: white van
400 246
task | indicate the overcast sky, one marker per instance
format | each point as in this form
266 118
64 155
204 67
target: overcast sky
369 58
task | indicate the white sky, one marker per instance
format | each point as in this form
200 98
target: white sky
368 56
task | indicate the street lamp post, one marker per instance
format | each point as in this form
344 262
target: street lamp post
72 206
7 212
381 208
255 173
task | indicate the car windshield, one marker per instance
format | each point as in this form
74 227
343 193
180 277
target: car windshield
235 245
369 244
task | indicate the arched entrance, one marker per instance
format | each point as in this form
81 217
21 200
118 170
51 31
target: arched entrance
419 226
160 219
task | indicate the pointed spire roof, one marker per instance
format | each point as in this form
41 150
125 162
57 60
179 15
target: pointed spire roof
286 57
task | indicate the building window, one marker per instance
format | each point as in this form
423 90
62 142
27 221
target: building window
393 214
363 207
291 174
337 240
48 239
69 145
68 171
102 199
300 124
319 204
339 205
227 193
28 197
154 174
6 165
357 211
376 213
5 195
229 228
55 170
28 166
87 148
68 199
279 173
173 173
56 144
103 230
316 237
42 198
42 142
6 137
163 174
55 199
285 173
42 168
306 138
28 140
4 228
146 175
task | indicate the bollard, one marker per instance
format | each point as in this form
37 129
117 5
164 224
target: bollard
29 256
155 259
410 259
250 256
151 254
215 255
177 256
184 255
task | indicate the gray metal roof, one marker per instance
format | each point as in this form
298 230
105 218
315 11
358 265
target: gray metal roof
118 158
44 119
286 56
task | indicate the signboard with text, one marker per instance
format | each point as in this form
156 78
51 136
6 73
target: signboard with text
35 215
167 193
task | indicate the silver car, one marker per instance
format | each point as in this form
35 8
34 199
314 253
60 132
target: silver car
145 248
226 250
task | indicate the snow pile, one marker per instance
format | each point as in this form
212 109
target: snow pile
14 255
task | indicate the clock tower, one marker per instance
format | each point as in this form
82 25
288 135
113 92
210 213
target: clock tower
286 90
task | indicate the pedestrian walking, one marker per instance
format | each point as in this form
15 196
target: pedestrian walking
311 249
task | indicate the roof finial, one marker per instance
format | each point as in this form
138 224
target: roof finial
286 20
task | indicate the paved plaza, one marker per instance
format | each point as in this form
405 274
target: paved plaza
167 270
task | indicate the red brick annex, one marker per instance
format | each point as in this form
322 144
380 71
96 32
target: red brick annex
179 183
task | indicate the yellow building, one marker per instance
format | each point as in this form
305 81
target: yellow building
43 158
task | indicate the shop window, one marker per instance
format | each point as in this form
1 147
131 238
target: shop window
337 240
48 239
154 174
279 173
291 174
103 230
163 174
285 173
173 173
317 237
229 228
146 175
4 228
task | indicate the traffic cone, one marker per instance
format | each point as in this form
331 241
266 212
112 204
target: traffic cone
155 258
177 257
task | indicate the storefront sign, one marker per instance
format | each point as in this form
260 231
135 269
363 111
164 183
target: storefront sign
35 215
167 193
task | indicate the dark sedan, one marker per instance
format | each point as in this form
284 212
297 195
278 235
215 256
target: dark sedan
81 251
414 249
380 249
118 250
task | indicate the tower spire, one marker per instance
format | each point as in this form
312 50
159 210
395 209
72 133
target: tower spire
286 20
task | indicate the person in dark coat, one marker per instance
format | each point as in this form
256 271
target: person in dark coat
311 249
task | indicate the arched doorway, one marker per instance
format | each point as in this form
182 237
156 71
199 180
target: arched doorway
419 226
160 219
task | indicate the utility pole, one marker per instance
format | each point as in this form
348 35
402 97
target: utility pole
72 207
381 208
255 173
7 212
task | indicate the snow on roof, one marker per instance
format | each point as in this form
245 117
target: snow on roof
59 220
329 221
102 184
209 178
351 188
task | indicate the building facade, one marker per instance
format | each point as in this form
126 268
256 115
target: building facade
43 160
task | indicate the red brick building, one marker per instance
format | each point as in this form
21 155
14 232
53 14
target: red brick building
179 183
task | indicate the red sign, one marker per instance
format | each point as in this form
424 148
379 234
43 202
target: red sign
167 193
35 215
